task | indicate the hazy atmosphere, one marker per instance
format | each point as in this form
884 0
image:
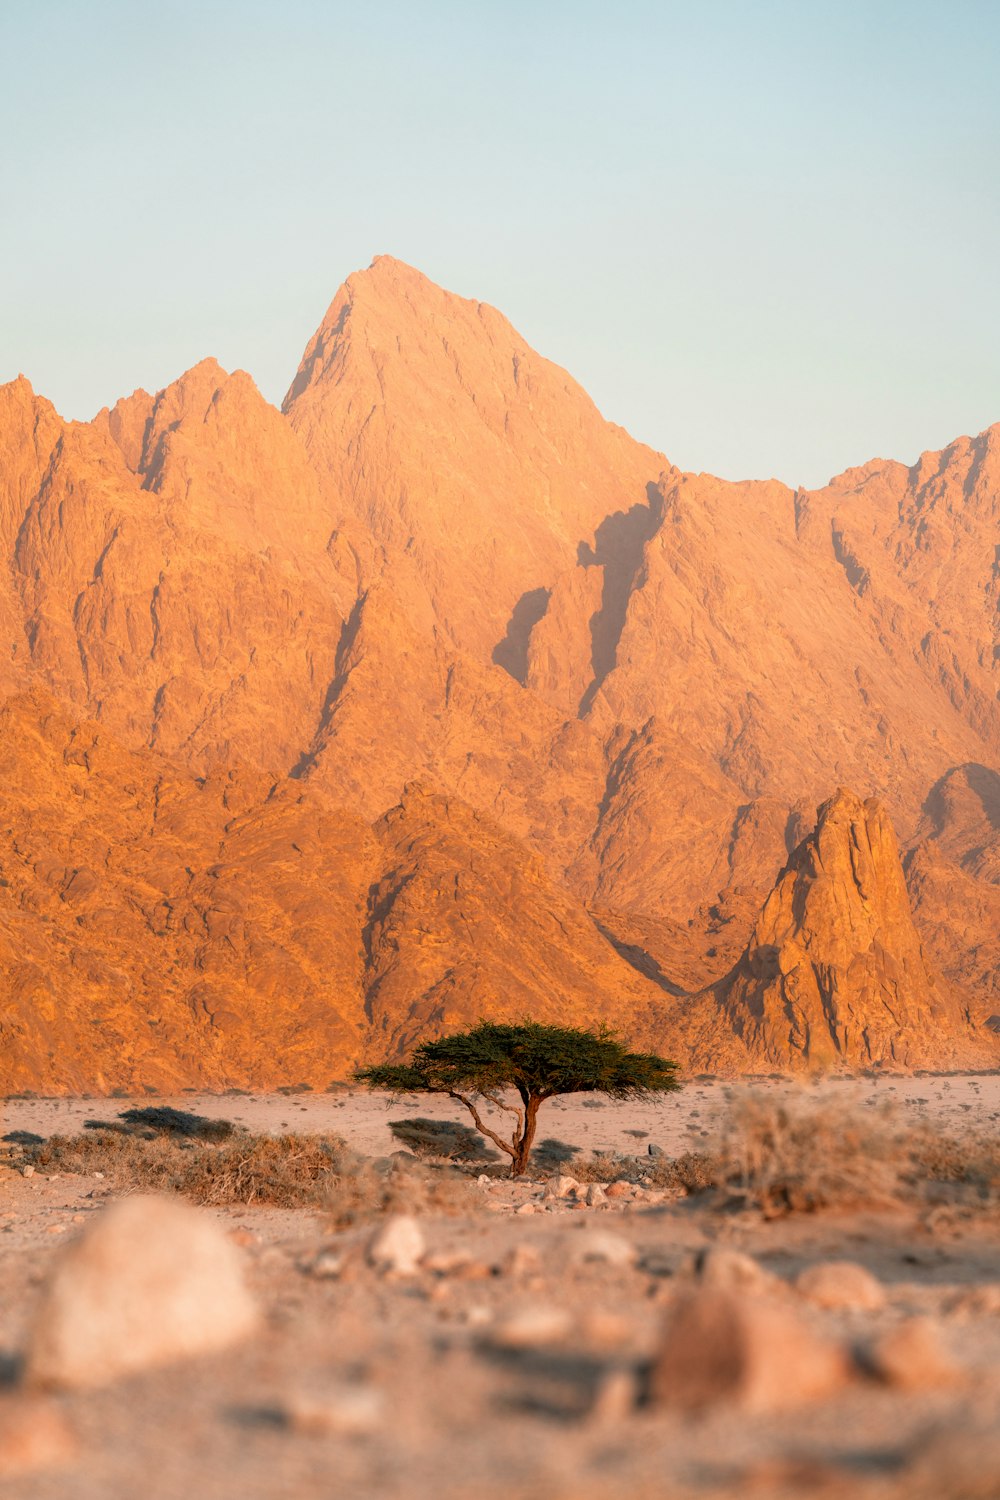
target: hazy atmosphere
762 236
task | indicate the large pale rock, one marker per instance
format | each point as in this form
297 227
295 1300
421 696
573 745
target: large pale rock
720 1347
151 1281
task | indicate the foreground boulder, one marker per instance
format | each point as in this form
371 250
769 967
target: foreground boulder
723 1348
151 1281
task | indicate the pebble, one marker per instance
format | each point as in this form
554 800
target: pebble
350 1411
397 1248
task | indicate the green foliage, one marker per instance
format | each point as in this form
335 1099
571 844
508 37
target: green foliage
536 1060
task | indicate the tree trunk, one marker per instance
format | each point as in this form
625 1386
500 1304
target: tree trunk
522 1146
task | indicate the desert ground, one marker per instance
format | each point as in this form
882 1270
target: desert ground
559 1336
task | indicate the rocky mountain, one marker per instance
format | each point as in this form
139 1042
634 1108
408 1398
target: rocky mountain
435 695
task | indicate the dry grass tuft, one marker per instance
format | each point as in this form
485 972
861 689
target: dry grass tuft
802 1151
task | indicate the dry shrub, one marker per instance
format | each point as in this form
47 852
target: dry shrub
286 1171
799 1150
278 1171
692 1172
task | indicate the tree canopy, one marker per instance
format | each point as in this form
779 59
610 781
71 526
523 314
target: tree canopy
536 1062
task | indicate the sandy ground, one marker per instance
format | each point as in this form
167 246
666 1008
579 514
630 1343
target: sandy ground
584 1122
452 1413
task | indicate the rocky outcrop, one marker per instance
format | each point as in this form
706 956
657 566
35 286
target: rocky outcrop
834 971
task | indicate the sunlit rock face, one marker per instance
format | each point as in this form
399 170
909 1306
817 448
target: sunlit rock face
435 695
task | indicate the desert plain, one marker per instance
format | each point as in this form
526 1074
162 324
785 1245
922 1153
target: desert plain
569 1336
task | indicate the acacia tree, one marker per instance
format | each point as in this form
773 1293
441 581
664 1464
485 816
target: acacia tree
537 1062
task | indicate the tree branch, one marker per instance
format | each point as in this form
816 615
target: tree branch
481 1126
511 1109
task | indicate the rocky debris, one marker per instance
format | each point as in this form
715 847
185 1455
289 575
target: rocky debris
150 1280
841 1284
34 1435
719 1347
912 1356
397 1246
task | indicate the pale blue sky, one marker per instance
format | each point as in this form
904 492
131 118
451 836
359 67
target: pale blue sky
764 236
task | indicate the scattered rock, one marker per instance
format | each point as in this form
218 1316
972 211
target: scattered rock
719 1347
150 1280
596 1195
619 1189
841 1284
655 1150
912 1356
563 1187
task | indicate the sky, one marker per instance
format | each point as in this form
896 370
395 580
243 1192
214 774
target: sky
764 236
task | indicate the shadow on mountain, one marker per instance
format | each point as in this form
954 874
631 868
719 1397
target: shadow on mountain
983 782
512 652
619 543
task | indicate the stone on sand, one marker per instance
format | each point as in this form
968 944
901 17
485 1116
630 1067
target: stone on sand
720 1347
150 1281
912 1356
842 1285
732 1271
398 1247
